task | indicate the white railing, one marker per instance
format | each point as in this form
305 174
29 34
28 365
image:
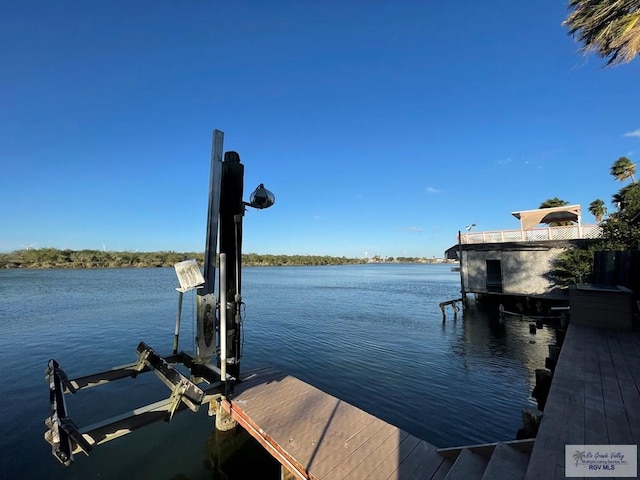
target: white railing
571 232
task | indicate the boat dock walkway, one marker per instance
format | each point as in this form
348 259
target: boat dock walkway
317 436
594 399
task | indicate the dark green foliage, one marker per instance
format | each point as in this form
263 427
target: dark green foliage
553 202
620 230
627 200
573 266
598 209
53 258
622 169
255 259
619 233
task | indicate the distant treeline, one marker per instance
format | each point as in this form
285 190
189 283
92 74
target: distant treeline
54 258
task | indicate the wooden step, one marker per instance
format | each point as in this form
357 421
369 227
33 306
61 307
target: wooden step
443 470
468 466
422 463
506 463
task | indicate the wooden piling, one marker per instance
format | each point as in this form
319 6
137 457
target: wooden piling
543 385
224 421
454 307
551 361
530 422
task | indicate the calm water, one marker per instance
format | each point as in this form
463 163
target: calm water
371 335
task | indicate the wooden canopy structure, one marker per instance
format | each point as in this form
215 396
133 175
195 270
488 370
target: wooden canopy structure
531 218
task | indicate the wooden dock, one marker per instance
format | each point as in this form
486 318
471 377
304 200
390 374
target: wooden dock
594 399
317 436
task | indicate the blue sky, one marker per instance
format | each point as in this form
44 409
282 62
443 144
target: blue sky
381 127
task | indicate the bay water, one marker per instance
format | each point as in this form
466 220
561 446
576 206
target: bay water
371 335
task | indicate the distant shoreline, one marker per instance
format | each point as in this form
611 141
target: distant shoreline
49 258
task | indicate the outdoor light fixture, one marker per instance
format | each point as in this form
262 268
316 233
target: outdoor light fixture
261 198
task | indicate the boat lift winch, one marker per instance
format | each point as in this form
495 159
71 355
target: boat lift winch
215 366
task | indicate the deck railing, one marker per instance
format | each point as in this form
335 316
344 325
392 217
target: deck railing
571 232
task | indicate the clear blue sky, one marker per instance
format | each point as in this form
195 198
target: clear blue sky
381 127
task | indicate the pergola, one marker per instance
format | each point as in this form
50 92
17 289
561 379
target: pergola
531 218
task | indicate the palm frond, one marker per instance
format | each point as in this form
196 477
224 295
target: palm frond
609 28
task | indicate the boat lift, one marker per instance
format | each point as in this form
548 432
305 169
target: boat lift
215 366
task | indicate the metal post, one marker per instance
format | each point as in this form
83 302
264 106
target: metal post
176 334
223 318
463 294
206 301
215 186
237 298
231 210
580 232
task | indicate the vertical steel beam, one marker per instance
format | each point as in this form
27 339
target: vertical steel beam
206 301
231 212
215 186
223 318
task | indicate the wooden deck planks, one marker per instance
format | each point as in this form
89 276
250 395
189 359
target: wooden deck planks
322 436
594 397
348 464
627 366
616 417
345 435
351 448
312 437
257 396
385 458
546 454
421 463
595 431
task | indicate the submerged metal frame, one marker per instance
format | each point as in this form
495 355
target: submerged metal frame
67 439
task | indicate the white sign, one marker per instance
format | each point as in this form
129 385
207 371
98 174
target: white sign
189 275
601 460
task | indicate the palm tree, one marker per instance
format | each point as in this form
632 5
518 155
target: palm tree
628 198
611 28
553 202
618 200
623 168
598 209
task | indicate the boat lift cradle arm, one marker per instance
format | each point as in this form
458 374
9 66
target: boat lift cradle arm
67 439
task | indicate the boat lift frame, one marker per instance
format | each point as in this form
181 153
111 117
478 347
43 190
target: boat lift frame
67 439
213 322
